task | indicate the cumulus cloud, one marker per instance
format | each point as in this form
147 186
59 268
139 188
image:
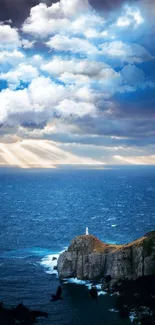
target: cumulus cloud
27 44
74 45
11 57
23 73
85 72
70 78
57 66
44 20
127 52
40 102
130 17
67 107
73 74
9 37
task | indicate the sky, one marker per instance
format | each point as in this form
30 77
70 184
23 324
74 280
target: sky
77 82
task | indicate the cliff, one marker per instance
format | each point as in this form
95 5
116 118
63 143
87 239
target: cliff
89 258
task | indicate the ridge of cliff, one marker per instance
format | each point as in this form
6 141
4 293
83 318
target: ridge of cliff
89 258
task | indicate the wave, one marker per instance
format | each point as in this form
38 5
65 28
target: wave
50 263
102 293
86 283
74 281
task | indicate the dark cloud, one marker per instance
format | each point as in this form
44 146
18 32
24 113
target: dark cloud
18 10
137 105
120 127
107 5
134 140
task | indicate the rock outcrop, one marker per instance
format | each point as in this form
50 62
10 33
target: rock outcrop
89 258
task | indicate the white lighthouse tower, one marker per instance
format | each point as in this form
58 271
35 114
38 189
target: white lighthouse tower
87 231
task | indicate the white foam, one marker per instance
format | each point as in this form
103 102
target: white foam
86 283
50 262
114 310
102 293
98 286
74 281
132 317
89 284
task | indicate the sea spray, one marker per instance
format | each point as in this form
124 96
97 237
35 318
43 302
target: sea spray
50 263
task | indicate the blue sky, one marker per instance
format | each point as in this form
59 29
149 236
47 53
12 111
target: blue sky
81 77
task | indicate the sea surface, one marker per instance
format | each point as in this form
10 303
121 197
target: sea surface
42 211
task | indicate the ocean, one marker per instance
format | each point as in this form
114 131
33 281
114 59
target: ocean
41 211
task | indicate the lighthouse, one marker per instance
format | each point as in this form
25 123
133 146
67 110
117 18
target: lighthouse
87 231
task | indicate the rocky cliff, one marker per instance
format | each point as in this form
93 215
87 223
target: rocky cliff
89 258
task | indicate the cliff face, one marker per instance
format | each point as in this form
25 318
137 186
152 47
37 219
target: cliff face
89 258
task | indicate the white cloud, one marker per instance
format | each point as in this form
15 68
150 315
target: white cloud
135 13
27 44
58 66
12 103
130 52
131 16
62 88
123 22
40 102
80 70
69 8
9 37
86 94
12 57
91 33
44 20
37 60
23 73
84 72
74 45
70 78
91 25
69 107
46 94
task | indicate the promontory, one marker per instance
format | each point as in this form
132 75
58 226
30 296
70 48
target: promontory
88 258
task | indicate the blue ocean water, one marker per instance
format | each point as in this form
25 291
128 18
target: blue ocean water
41 211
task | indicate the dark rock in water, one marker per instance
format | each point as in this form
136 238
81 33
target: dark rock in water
93 293
58 294
55 268
19 315
89 258
54 258
55 298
